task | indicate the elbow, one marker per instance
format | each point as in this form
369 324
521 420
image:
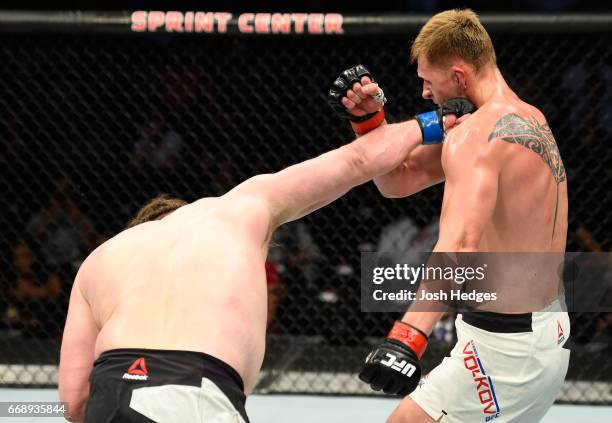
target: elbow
75 411
467 243
398 183
460 242
467 248
75 404
74 418
389 191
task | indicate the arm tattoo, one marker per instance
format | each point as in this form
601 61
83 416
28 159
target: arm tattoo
535 136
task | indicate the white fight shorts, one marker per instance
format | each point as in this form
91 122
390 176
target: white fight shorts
502 369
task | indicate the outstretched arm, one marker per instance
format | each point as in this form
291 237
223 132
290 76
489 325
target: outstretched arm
302 188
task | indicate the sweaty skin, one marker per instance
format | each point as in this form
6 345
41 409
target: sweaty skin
195 280
505 191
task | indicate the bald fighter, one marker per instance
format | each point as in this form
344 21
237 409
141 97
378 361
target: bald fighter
505 191
167 320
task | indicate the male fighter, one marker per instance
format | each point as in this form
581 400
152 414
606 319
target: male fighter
505 191
173 309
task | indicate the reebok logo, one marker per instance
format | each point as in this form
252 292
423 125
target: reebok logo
403 366
560 336
137 371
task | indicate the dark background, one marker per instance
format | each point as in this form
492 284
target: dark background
100 124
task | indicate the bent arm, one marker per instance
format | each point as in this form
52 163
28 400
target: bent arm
419 170
302 188
470 197
77 353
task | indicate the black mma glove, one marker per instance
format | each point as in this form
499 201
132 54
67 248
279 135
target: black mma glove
338 90
432 123
393 366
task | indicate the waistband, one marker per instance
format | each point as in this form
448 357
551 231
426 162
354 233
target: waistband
499 322
116 373
176 359
511 323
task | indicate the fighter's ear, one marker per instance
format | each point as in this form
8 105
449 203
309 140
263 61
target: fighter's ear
459 76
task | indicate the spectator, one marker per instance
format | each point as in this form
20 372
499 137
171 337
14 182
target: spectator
65 234
160 145
402 239
594 329
295 252
34 298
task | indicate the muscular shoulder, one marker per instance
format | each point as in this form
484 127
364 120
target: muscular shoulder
468 143
525 126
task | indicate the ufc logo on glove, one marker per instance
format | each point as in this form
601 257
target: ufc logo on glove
403 366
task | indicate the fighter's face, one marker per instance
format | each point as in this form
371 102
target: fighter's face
439 83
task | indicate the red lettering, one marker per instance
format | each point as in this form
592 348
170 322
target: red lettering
139 21
315 23
469 358
487 408
333 23
188 23
244 22
466 350
262 23
281 23
481 382
174 21
222 19
156 20
485 396
298 20
204 22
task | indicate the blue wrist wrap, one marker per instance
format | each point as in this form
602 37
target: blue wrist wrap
430 127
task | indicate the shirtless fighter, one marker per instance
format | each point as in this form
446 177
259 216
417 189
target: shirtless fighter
505 191
167 319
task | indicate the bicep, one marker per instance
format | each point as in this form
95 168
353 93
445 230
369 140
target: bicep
421 169
77 351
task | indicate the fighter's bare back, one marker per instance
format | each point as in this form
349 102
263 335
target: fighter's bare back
192 281
529 206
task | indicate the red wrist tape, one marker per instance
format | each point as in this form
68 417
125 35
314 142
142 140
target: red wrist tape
407 334
367 125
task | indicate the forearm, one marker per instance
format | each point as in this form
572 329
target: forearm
307 186
423 320
386 147
419 169
425 313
